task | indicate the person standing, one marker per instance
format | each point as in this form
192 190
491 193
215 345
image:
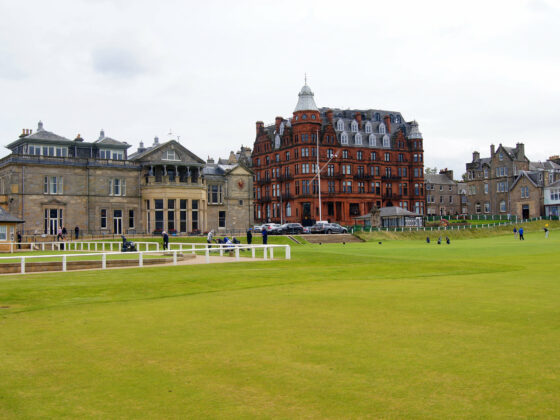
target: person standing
515 232
19 240
209 238
521 238
59 234
546 232
64 233
77 232
264 233
249 236
165 239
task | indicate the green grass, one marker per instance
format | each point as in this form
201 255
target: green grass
398 330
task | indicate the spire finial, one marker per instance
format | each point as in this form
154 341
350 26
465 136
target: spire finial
305 77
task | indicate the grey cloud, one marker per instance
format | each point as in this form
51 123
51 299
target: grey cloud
117 62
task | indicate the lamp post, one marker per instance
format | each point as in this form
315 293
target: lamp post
318 176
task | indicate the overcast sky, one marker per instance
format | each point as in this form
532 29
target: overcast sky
470 72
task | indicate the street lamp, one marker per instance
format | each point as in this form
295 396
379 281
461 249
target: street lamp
318 176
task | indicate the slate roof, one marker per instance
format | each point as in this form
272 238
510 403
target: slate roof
396 211
544 166
438 179
7 217
138 155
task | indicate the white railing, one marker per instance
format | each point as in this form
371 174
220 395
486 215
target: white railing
193 248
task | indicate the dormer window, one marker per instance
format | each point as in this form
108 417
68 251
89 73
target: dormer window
354 126
111 154
344 138
372 140
340 125
368 127
377 116
358 139
169 155
397 119
386 141
381 128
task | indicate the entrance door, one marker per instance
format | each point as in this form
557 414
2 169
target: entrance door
52 224
525 211
306 214
117 222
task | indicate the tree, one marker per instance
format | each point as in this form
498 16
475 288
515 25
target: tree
431 171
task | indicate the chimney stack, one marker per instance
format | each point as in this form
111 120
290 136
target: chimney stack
78 138
387 121
492 150
475 156
277 123
156 140
447 172
520 150
330 116
358 117
260 126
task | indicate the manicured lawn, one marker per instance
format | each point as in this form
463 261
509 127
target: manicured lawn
400 329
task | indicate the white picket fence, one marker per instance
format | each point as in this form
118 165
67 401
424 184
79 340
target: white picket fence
175 249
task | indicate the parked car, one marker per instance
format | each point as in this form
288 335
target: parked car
272 228
257 228
306 229
328 228
291 229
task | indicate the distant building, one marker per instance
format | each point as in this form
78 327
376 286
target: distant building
552 199
52 182
367 158
442 196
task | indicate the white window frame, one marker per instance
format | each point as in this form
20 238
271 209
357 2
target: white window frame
344 138
117 187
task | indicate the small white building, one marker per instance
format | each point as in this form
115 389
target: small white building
552 199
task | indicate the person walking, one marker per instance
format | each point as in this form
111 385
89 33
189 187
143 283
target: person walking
165 239
77 232
264 233
59 234
64 233
249 236
521 238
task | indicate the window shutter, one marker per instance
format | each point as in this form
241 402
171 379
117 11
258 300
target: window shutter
46 185
60 186
123 187
110 187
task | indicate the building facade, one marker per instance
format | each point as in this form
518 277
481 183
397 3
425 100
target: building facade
335 164
442 194
489 179
52 182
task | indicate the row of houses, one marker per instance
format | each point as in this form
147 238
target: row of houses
504 183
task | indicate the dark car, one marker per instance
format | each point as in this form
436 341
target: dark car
328 228
291 229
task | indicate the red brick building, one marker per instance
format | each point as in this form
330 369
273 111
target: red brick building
366 158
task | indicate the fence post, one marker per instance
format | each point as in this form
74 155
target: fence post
253 252
22 265
265 253
207 255
103 261
288 252
221 250
271 253
236 253
64 263
43 246
175 257
192 249
140 259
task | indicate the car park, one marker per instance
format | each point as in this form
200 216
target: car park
272 228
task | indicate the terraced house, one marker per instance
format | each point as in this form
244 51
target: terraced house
336 164
51 181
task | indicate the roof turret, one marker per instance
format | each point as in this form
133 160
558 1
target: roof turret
306 101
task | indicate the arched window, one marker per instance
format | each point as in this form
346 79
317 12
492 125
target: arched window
372 140
502 206
368 127
340 125
386 141
344 138
354 126
358 139
381 128
277 141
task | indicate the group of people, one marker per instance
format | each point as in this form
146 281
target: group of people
447 240
62 233
210 238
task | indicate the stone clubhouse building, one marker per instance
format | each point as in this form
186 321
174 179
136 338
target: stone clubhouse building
50 181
